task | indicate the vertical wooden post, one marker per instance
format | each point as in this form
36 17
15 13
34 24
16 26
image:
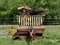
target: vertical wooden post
19 20
32 21
28 21
36 20
41 20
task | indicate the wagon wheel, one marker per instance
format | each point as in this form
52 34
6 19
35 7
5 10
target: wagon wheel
30 36
16 36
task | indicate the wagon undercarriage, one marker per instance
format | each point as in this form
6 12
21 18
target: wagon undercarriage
23 32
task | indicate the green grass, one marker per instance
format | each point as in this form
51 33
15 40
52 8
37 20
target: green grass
52 32
6 27
51 37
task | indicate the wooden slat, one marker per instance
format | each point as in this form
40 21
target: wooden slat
28 22
32 20
19 20
38 20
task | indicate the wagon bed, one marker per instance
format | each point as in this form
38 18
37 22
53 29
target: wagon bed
22 32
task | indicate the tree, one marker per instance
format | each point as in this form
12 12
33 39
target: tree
9 7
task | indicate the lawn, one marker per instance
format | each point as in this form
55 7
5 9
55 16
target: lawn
51 37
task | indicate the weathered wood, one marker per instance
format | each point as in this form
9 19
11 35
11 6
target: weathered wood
34 20
23 32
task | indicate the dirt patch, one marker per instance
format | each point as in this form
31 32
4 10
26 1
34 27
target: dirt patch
3 32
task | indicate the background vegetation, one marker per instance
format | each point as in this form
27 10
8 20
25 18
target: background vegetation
8 9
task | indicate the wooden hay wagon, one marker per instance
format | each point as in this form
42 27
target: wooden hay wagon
30 26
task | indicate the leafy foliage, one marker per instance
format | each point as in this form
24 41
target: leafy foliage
9 7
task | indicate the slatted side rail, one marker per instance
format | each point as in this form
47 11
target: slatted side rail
34 20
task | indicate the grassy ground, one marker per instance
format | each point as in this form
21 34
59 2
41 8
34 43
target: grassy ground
51 37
